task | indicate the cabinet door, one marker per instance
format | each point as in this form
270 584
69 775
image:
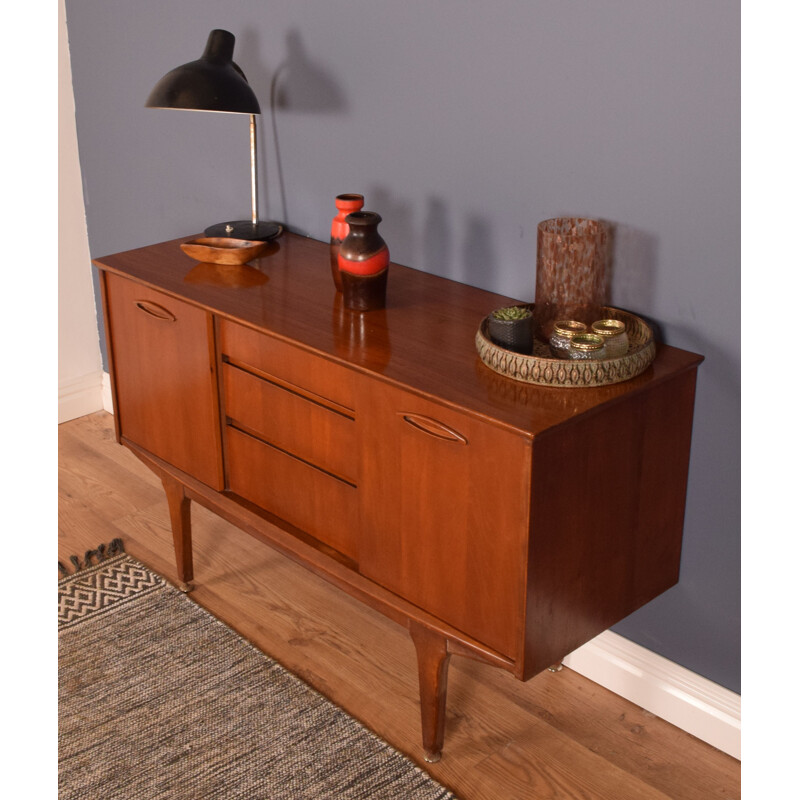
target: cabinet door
445 499
164 377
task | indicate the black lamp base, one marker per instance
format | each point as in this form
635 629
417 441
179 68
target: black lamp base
245 229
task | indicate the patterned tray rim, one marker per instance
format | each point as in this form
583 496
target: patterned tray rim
558 373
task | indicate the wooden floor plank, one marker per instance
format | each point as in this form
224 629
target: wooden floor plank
556 736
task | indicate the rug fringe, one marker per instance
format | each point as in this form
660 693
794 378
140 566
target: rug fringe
103 552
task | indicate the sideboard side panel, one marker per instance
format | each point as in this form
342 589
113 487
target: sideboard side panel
104 292
609 495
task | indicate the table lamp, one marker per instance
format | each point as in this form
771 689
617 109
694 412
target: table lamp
215 83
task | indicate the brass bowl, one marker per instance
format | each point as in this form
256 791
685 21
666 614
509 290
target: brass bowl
220 250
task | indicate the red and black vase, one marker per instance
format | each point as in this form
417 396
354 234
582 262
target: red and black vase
364 263
345 204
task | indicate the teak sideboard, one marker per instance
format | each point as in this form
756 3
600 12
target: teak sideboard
493 519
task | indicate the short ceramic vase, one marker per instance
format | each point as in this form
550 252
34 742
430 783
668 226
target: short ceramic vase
345 204
364 263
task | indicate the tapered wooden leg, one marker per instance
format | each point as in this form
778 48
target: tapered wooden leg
181 521
433 660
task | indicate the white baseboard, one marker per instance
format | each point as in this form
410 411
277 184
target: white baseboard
80 396
677 695
674 693
108 400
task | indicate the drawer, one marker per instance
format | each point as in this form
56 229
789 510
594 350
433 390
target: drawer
325 381
291 422
317 503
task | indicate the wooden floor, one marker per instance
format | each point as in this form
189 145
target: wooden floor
557 736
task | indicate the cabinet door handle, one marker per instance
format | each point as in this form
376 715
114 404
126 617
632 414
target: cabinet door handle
434 428
155 310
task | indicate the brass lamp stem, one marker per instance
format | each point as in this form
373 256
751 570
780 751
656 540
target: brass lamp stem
253 190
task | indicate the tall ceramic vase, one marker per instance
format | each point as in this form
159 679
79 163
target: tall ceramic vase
345 204
571 281
364 263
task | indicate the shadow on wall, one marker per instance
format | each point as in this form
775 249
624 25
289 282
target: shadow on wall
297 84
478 258
632 267
720 366
437 253
304 85
437 238
633 262
396 228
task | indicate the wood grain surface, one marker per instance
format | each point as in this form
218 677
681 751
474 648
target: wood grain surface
556 736
528 533
161 352
423 339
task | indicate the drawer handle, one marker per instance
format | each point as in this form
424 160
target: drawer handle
434 428
155 310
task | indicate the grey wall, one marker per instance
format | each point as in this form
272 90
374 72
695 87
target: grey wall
465 123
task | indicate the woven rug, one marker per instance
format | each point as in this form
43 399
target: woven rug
159 699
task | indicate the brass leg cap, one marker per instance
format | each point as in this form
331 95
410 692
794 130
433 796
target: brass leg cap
432 758
556 668
185 587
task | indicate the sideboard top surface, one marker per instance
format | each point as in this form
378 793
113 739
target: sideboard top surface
423 340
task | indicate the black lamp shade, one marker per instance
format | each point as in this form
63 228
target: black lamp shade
212 83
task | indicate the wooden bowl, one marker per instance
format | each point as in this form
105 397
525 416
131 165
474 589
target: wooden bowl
219 250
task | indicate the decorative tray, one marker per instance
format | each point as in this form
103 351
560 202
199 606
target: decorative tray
543 369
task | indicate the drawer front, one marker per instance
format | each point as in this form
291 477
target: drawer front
322 379
317 503
291 422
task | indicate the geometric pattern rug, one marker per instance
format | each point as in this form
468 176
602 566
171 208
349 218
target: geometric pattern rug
159 700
